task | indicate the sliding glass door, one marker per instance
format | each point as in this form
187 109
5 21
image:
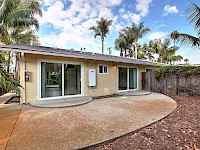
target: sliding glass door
51 79
132 78
127 78
72 76
59 79
123 78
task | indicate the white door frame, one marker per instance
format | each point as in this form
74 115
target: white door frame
61 62
127 78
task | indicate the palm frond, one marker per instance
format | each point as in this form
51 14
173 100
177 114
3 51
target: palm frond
194 16
189 40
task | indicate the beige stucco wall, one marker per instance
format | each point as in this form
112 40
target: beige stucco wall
106 83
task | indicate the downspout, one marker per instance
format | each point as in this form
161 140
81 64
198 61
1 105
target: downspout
22 79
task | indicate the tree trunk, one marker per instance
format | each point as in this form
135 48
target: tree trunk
136 55
121 52
102 44
124 52
160 59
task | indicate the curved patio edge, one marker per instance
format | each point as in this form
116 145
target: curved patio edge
131 132
62 103
134 93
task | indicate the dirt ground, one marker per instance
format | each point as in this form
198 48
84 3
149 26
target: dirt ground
179 131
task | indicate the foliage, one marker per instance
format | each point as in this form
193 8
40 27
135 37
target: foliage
17 20
193 12
102 30
18 24
8 83
184 71
136 32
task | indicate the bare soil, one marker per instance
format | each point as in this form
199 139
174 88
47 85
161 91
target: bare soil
178 131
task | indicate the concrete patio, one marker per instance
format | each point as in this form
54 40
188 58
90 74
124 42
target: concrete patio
26 127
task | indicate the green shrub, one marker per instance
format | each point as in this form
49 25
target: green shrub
8 83
184 71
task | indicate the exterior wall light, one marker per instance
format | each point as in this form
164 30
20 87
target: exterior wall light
114 66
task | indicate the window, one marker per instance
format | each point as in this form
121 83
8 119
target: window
149 70
103 69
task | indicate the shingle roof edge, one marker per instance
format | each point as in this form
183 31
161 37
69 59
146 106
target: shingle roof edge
73 53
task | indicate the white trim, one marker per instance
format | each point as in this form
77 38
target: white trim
127 78
103 69
149 68
62 62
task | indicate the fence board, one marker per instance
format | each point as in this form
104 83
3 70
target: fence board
171 85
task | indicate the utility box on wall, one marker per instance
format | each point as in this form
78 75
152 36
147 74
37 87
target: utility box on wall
92 77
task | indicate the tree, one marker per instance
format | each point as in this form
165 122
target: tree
164 51
102 30
17 20
126 36
170 54
150 49
136 32
120 45
17 25
194 18
174 36
186 60
177 58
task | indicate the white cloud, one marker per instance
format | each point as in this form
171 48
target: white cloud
132 17
143 7
157 35
108 3
169 10
121 10
72 23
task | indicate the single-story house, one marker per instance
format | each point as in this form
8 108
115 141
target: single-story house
52 73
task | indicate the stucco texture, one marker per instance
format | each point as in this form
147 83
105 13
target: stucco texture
106 83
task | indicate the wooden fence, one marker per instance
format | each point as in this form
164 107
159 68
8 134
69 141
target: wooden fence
171 85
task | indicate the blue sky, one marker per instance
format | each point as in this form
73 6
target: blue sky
65 23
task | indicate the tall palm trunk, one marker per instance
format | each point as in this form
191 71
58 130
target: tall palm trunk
125 52
135 47
161 59
121 52
102 45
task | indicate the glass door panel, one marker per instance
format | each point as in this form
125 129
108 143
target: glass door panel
51 79
132 78
72 79
122 78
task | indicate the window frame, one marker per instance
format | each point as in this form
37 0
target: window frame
103 69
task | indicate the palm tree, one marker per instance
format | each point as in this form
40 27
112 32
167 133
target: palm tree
102 30
136 32
170 54
174 36
194 18
186 60
163 49
130 53
125 34
17 23
177 58
120 44
17 20
150 49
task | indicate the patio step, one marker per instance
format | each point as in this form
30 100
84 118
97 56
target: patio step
134 93
62 103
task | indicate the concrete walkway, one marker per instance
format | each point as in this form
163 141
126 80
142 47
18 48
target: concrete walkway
81 126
